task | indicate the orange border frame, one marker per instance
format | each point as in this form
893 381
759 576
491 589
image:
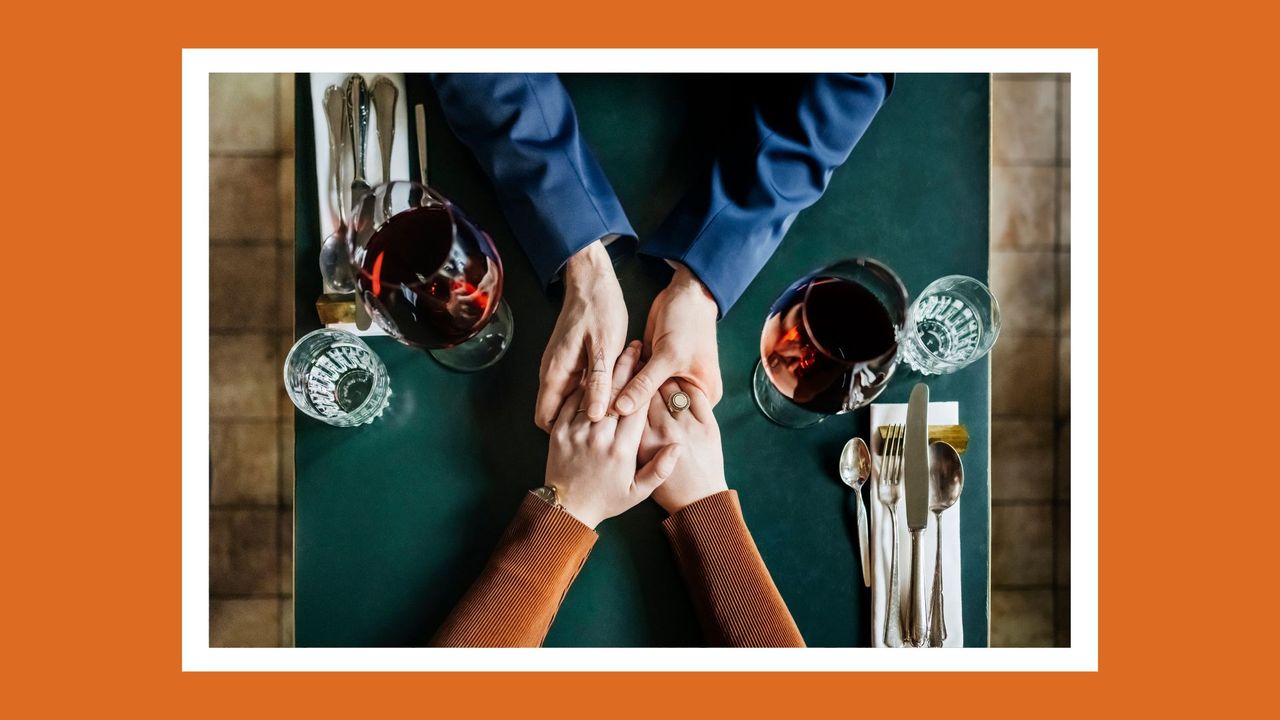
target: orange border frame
93 528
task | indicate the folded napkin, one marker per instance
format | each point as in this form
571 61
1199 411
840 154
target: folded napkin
940 413
328 195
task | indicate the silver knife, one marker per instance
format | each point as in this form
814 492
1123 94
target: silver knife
916 470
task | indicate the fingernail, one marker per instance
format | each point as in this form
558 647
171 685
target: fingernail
596 410
625 404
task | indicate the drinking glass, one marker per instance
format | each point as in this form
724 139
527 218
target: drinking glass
334 377
429 276
829 344
953 323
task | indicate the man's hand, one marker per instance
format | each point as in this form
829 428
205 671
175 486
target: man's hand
588 338
679 342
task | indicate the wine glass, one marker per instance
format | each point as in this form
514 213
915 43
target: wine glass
429 276
953 323
830 342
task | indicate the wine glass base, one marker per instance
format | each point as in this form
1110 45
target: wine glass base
776 406
483 350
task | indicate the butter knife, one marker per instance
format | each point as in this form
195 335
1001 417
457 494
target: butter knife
916 471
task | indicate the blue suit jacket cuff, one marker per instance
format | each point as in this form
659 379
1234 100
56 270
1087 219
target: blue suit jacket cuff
707 271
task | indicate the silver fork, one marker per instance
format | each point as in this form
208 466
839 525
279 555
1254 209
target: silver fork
890 492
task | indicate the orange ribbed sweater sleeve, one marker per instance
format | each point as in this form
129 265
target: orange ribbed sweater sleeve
736 599
515 599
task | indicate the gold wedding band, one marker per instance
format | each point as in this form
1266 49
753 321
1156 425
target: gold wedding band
678 402
582 410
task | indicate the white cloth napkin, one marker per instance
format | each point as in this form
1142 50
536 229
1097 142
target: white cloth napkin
940 413
373 158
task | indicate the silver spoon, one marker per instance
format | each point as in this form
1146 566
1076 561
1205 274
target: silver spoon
946 482
385 94
335 114
855 468
335 271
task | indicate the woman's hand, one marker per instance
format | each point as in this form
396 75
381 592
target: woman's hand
587 339
679 342
592 465
700 472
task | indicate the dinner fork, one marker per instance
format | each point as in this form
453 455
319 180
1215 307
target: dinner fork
890 489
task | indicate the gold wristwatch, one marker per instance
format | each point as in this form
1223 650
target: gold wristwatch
548 493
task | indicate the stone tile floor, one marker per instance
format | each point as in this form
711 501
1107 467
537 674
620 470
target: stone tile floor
1031 409
251 428
251 420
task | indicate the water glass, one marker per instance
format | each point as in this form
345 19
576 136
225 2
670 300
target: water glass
953 323
334 377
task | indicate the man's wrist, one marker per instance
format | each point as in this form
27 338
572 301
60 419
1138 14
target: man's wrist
587 264
685 280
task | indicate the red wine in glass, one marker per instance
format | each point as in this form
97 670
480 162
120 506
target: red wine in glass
429 276
829 344
435 294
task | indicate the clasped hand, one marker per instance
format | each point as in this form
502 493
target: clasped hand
679 341
602 469
613 440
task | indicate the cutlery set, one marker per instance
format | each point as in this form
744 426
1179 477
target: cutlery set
927 477
347 111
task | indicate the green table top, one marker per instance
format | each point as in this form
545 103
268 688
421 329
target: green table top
394 520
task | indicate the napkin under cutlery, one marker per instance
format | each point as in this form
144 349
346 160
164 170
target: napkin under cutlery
940 413
373 166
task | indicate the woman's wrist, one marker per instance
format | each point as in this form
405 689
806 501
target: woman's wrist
571 503
582 515
680 502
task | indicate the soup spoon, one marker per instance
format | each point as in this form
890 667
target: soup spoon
946 480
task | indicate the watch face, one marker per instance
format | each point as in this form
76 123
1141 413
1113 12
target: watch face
547 493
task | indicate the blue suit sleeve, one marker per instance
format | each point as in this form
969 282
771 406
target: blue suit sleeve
523 130
767 169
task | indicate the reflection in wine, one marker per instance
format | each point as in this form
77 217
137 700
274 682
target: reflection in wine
828 345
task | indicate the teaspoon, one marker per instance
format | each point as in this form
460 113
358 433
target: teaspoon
335 271
855 468
385 94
